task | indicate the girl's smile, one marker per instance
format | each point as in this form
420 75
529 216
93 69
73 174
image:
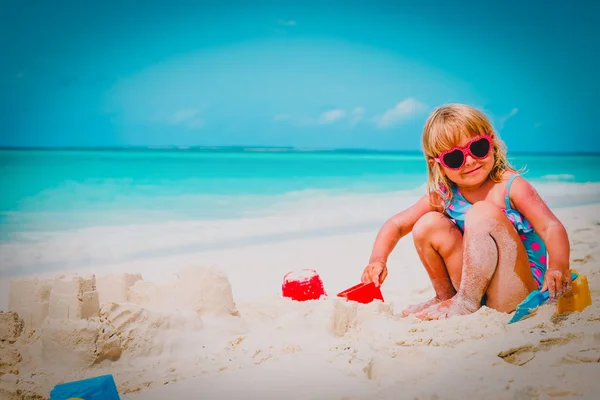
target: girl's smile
472 170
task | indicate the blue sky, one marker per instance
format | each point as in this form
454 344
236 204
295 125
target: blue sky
285 73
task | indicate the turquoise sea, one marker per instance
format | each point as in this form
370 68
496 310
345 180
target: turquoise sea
66 189
171 197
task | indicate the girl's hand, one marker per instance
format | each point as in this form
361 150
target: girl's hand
375 272
557 282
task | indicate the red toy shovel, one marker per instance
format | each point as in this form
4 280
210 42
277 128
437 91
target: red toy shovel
362 293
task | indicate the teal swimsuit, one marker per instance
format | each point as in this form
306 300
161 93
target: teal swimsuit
535 246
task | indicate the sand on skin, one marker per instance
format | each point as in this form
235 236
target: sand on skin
230 334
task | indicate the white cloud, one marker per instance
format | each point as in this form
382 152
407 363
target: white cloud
403 111
502 120
289 22
331 116
189 117
356 116
327 117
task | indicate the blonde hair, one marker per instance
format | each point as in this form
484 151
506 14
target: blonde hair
444 128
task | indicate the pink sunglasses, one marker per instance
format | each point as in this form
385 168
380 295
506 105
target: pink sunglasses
455 158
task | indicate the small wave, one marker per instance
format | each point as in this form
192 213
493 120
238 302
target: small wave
557 177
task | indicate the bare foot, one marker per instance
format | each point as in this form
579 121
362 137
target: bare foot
415 308
449 308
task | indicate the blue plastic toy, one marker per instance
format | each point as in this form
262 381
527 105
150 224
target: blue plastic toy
98 388
531 302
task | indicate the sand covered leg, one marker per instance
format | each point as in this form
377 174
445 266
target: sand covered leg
495 263
439 245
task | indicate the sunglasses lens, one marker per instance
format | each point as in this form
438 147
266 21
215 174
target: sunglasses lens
480 148
454 159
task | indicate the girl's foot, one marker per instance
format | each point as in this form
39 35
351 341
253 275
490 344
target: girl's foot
415 308
449 308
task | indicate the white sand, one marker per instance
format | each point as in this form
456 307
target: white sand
214 325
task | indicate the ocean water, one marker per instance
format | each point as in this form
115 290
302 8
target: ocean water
87 205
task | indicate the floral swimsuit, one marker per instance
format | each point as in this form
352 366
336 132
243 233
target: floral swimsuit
535 246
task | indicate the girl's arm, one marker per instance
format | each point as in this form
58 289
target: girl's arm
397 227
388 236
529 203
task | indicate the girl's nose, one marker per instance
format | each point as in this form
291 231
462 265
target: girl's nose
469 160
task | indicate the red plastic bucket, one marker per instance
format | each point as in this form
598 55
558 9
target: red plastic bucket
302 285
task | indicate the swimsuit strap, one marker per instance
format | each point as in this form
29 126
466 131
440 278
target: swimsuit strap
507 197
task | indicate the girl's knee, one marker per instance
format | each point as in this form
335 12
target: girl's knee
483 212
426 225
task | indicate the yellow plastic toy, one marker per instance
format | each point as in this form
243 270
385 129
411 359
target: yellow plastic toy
576 299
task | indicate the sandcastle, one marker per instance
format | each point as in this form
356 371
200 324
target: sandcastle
74 322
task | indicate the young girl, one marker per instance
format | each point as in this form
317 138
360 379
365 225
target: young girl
482 232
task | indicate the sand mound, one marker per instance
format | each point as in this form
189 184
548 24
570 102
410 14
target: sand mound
145 332
78 343
11 328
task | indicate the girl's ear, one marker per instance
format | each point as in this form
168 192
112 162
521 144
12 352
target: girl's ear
432 164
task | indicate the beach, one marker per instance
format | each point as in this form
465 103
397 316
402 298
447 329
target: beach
212 323
165 170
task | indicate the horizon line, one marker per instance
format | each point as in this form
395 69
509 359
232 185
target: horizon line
258 148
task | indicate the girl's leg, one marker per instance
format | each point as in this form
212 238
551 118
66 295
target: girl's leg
495 264
439 244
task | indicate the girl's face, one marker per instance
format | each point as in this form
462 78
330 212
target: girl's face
475 169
